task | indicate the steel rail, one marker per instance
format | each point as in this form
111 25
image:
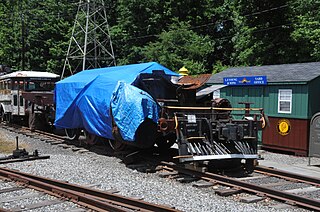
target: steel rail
14 160
24 129
51 135
249 187
287 175
87 197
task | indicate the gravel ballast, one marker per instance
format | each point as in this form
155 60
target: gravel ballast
110 173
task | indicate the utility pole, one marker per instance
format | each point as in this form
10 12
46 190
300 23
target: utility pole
90 45
23 44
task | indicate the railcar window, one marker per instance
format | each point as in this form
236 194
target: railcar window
40 86
15 100
7 85
21 101
15 85
30 86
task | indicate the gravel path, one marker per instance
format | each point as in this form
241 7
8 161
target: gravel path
109 173
288 159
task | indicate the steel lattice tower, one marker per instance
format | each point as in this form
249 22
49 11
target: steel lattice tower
90 45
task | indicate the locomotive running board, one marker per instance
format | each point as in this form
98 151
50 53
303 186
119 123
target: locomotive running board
188 158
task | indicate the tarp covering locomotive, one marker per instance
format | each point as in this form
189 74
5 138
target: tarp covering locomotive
84 100
141 105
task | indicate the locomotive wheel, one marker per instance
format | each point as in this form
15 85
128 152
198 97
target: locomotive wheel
249 166
72 134
90 139
165 142
116 145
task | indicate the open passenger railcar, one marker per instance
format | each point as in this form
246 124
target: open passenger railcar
24 93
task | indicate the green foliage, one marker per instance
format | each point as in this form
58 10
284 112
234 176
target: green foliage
306 34
204 36
37 34
263 33
218 67
180 46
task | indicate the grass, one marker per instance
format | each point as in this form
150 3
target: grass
7 146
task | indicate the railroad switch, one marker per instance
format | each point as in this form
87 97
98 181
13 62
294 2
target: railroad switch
21 155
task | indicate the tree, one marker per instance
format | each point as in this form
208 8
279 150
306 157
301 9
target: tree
10 34
36 37
180 46
306 33
263 33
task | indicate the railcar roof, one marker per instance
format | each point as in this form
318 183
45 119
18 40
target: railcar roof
297 72
26 74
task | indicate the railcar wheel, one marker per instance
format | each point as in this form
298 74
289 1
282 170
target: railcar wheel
1 114
8 117
166 141
72 134
90 139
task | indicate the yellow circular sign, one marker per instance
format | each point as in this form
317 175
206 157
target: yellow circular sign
283 127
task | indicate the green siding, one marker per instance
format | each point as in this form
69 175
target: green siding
314 97
253 94
267 97
235 95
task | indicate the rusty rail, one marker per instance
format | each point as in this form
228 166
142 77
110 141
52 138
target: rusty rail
287 175
249 187
87 197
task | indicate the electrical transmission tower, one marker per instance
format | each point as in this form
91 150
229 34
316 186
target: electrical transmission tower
90 45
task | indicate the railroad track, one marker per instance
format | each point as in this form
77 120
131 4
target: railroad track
47 137
246 184
292 197
86 197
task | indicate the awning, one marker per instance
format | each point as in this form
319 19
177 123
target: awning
209 90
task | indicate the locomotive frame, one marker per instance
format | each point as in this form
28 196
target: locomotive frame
206 130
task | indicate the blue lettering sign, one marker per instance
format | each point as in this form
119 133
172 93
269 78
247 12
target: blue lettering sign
246 80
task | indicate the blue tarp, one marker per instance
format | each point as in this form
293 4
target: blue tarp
130 106
83 100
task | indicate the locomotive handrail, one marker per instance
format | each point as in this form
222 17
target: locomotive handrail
211 108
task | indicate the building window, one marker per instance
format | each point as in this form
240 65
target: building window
216 94
284 101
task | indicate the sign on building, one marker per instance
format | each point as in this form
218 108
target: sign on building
246 80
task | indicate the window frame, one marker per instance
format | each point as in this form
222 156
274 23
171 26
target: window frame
216 94
290 101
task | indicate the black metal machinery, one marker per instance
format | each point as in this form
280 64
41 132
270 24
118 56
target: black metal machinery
205 130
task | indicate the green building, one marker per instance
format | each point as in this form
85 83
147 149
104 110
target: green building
289 94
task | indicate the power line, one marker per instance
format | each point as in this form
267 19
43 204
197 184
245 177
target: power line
268 10
210 24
